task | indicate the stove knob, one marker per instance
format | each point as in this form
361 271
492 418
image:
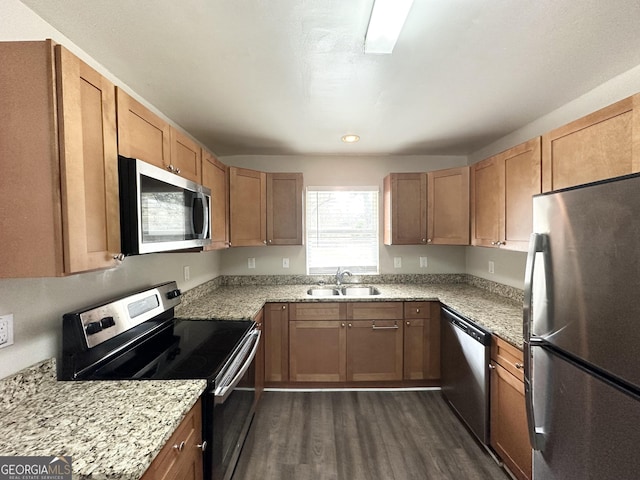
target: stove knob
173 294
107 322
93 327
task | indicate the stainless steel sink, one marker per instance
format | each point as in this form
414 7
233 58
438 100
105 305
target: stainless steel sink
323 291
359 291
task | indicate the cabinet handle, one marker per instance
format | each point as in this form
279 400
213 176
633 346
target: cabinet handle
179 447
202 446
393 327
492 366
519 366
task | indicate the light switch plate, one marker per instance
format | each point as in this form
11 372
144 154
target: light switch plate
6 330
251 262
187 272
423 262
492 267
397 262
285 263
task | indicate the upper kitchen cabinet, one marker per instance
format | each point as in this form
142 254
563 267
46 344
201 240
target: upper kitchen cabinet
284 208
265 209
405 209
141 133
501 191
247 207
186 156
427 208
601 145
59 208
215 175
448 207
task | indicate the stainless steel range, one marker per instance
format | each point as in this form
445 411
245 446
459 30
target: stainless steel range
137 337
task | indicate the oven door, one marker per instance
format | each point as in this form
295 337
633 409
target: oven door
233 407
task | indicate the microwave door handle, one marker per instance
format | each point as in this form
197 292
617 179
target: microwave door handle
223 391
199 215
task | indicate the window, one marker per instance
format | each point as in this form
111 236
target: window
342 229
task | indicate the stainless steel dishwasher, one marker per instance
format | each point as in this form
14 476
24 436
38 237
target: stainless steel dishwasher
465 356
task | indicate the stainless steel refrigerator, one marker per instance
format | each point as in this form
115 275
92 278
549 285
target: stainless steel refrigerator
582 332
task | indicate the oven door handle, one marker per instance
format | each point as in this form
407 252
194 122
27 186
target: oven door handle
223 391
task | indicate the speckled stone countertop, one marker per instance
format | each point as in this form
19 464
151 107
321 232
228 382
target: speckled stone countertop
501 315
111 429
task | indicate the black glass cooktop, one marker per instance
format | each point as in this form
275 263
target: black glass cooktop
185 349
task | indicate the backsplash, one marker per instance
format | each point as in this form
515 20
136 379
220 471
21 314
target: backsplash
439 278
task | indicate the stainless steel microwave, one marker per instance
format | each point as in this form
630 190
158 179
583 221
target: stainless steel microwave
159 210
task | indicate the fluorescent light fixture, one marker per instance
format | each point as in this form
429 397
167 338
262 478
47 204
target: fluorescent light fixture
385 24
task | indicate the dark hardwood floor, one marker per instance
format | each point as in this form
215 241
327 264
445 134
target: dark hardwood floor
361 436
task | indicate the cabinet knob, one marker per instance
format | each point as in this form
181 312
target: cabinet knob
408 323
519 366
270 241
170 168
429 240
417 310
202 446
264 241
492 366
284 307
179 447
342 325
424 240
119 257
350 325
177 170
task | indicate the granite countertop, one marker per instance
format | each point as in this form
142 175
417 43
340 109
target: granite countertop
111 429
501 315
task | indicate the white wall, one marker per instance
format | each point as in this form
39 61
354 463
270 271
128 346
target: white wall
344 171
38 304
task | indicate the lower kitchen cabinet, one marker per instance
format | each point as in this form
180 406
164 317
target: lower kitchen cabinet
181 457
509 436
352 342
276 342
421 341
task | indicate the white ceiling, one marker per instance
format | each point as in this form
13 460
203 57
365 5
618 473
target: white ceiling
290 77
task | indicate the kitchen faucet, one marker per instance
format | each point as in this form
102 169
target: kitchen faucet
340 274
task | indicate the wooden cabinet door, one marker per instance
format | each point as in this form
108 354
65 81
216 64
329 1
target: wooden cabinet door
215 175
509 434
405 209
186 156
276 342
374 350
89 165
247 207
448 207
502 187
487 185
317 351
181 464
601 145
141 133
421 341
522 180
284 208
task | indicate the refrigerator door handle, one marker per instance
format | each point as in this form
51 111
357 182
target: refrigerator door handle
536 434
536 245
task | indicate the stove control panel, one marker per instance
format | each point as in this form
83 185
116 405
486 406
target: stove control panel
103 322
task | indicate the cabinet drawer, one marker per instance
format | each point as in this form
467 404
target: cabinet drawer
417 310
508 356
317 311
374 311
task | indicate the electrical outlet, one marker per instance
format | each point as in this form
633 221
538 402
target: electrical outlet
285 263
397 262
251 262
423 262
491 267
6 330
187 272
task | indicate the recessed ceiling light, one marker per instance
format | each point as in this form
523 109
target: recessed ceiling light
350 138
